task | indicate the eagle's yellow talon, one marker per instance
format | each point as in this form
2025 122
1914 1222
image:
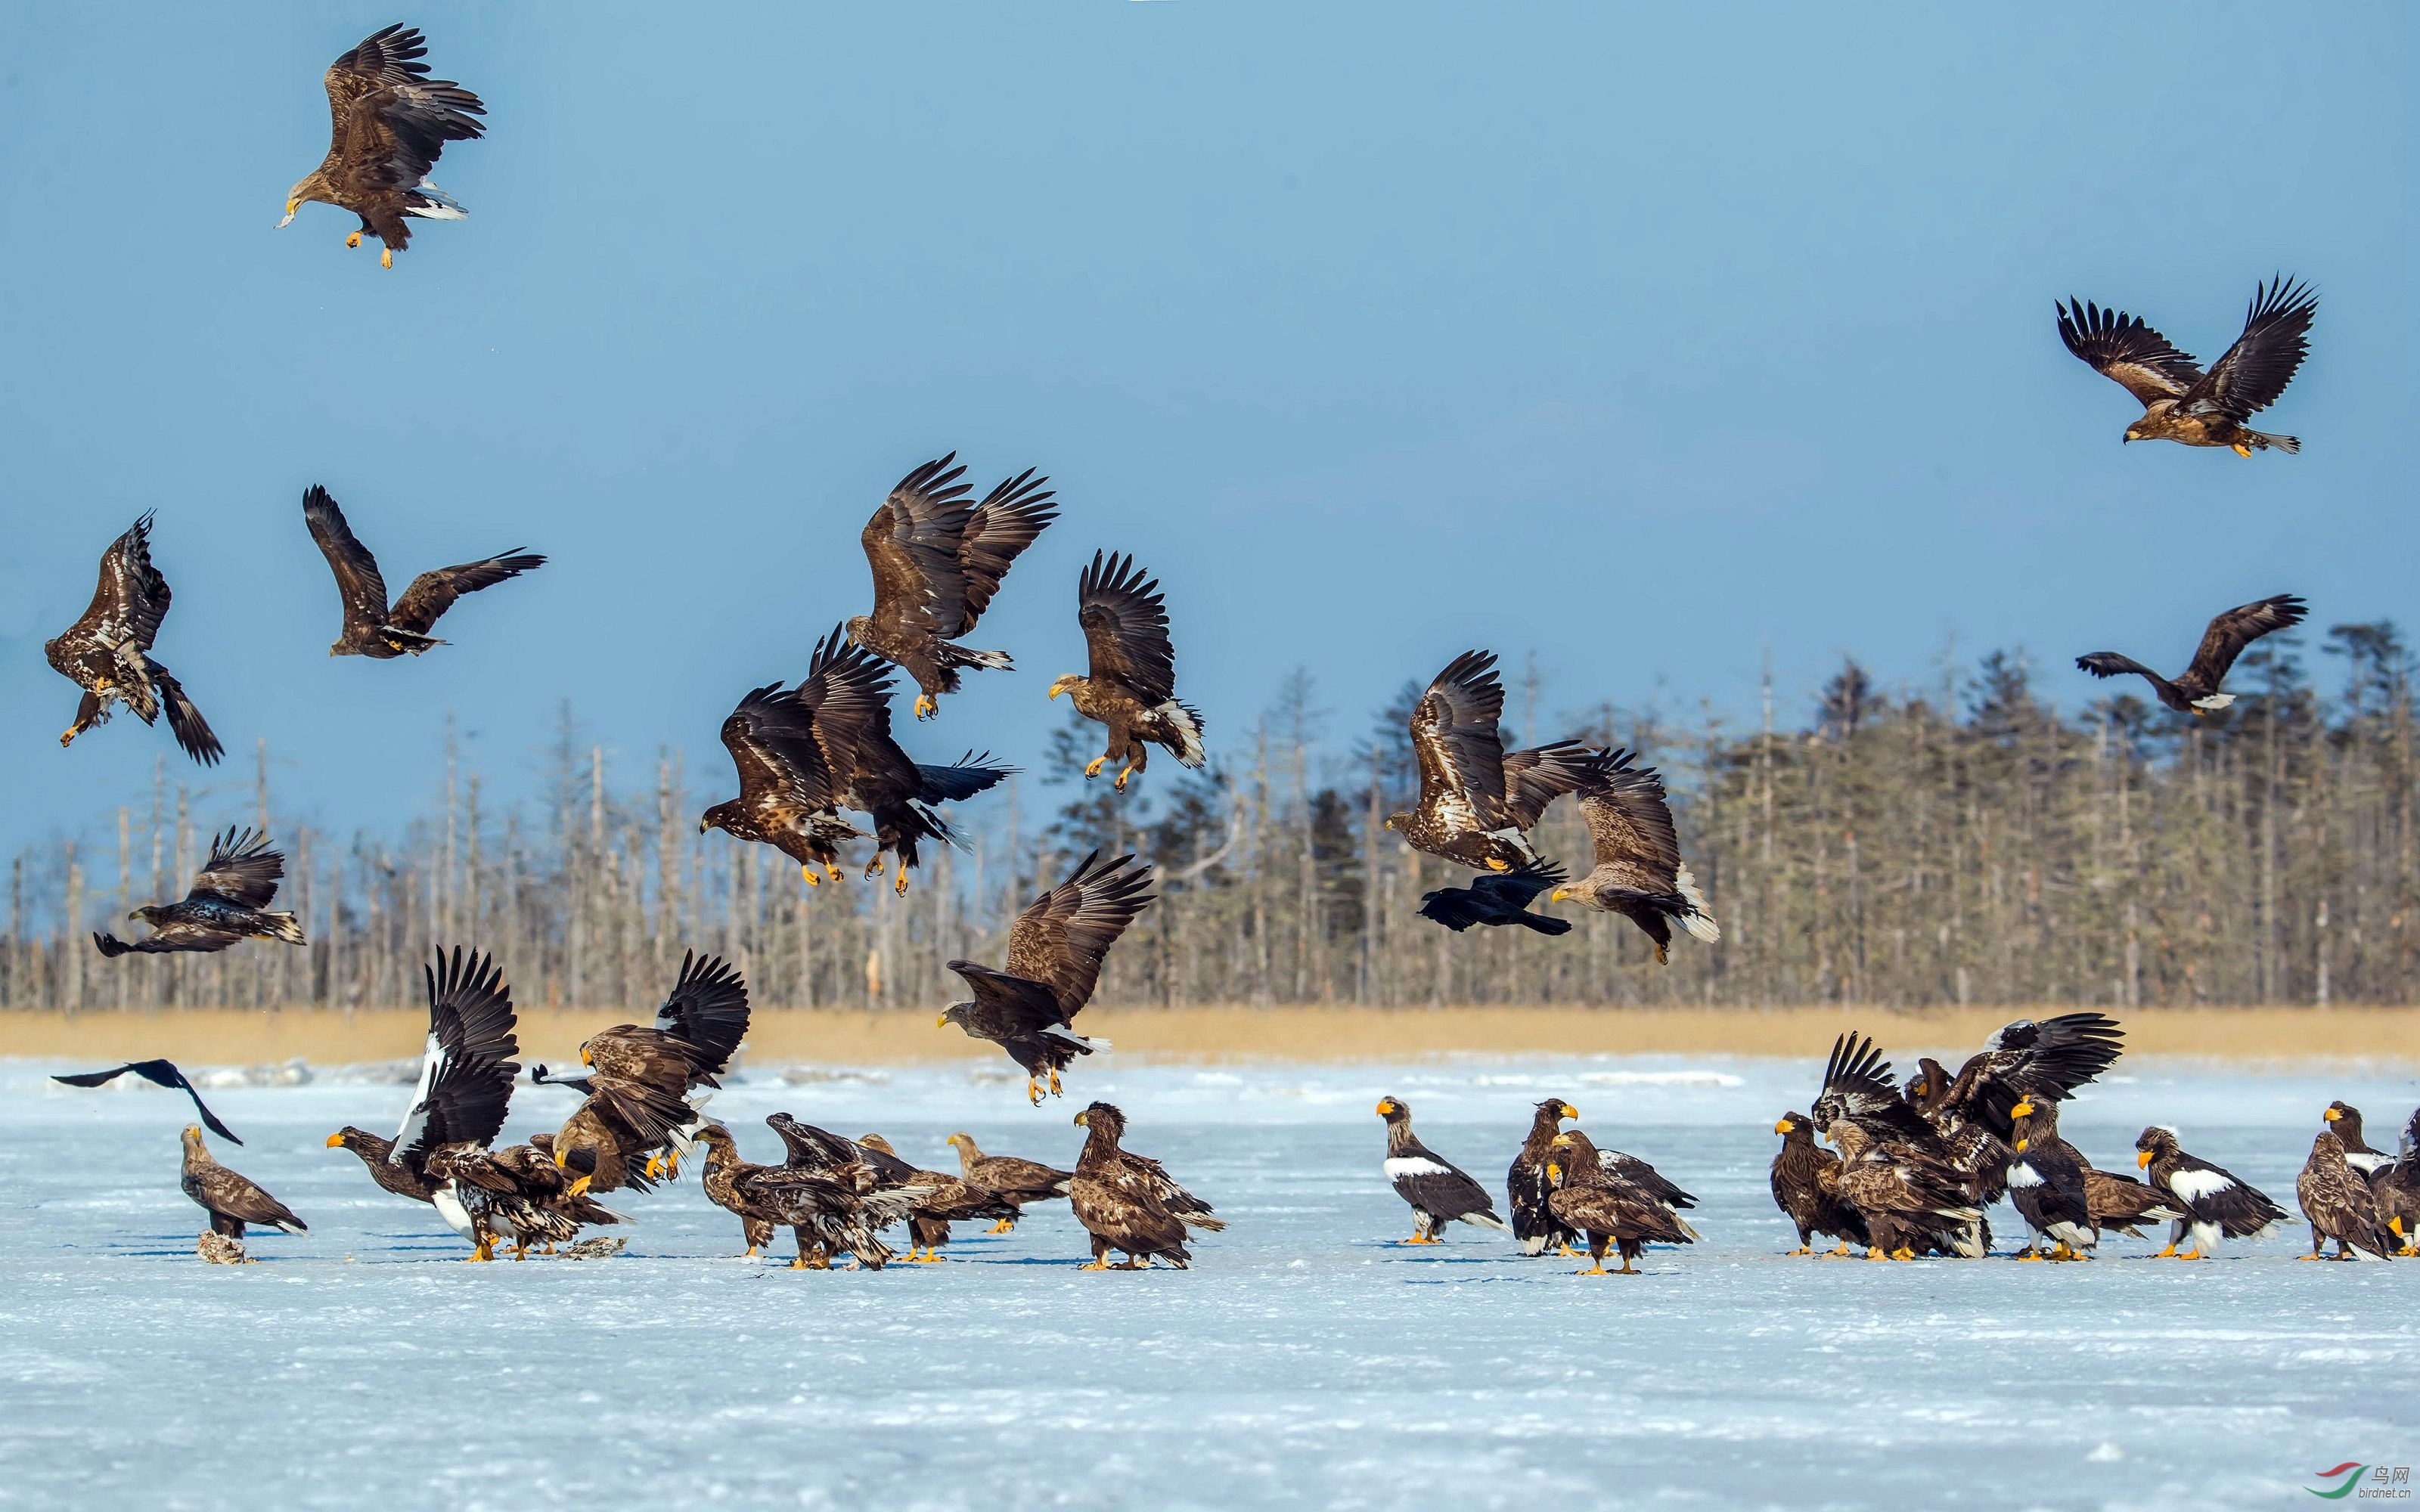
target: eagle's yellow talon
833 872
808 872
1494 865
2241 450
353 240
1123 774
1094 769
900 886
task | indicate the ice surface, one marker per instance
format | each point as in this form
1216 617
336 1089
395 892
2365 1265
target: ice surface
1305 1361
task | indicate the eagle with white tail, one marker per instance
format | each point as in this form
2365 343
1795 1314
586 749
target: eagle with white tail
1132 689
390 121
2195 690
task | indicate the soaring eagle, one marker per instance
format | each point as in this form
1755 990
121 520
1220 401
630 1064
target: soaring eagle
2047 1183
2216 1202
695 1033
1499 898
467 1068
226 904
158 1074
2338 1203
1128 1202
1476 799
1055 950
1013 1177
1807 1185
937 561
371 628
1603 1201
390 121
1132 688
1437 1190
107 652
788 797
2196 689
2181 402
847 696
231 1200
1532 1190
1638 873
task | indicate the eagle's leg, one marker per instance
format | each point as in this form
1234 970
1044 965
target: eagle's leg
386 258
1902 1252
1566 1252
833 872
873 868
1627 1268
481 1245
1874 1252
1093 770
807 873
1034 1091
1802 1250
1840 1254
899 885
2191 1255
2028 1253
1123 773
1494 864
1056 1090
927 705
1006 1226
1100 1255
2239 449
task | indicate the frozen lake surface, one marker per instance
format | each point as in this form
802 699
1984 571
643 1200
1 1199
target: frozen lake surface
1305 1360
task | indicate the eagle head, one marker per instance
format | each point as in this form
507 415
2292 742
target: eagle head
1065 683
1399 820
955 1014
143 915
717 817
2134 433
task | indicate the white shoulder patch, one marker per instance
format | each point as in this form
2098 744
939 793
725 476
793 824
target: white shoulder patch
2366 1161
1400 1167
2199 1186
2023 1174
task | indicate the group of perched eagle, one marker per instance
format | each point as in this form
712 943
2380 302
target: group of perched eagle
643 1090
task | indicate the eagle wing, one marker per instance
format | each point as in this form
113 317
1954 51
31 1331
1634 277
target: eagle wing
912 543
358 581
1125 629
1062 936
972 774
1000 528
466 1069
1857 1085
128 601
434 592
239 1197
708 1008
1537 777
2256 370
1630 822
1454 736
846 694
1007 1003
242 871
771 740
388 119
2119 347
2237 628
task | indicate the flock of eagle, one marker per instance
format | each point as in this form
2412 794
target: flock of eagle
805 754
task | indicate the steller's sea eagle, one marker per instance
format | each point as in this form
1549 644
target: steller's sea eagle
107 652
389 121
1132 688
2181 402
2194 691
371 628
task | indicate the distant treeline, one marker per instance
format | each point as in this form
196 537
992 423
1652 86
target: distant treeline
1966 843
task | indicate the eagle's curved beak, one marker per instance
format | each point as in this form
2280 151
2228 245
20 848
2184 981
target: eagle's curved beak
561 1154
1386 1105
2020 1146
702 826
1058 686
941 1023
1084 1119
1388 824
2142 1160
291 206
1556 896
1784 1127
135 917
585 1058
2024 1109
1554 1172
2331 1115
1562 1141
1570 1112
335 1140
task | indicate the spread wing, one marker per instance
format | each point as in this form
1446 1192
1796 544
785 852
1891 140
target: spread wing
1125 627
466 1069
1009 1003
160 1074
128 603
1630 822
389 121
708 1008
1062 936
434 592
2122 349
1000 528
1537 777
2256 370
1857 1085
810 1147
241 869
846 694
771 740
911 543
972 774
1454 735
358 582
2232 631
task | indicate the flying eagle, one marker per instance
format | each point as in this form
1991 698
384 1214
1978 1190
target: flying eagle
1639 872
372 629
1055 950
2181 402
1132 688
2216 1202
1532 1190
787 794
1013 1177
1128 1202
2195 690
1806 1181
1437 1190
158 1074
2338 1203
694 1035
1499 898
231 1200
226 904
107 652
1476 799
937 561
467 1067
847 696
390 121
2047 1186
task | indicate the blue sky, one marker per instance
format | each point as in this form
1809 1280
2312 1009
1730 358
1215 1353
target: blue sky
1657 344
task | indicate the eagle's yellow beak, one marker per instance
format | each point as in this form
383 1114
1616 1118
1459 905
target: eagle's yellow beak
2020 1146
559 1153
1386 1105
1570 1112
2024 1109
1388 824
1556 896
1784 1126
1084 1118
335 1140
2332 1115
1058 686
1554 1172
1562 1141
941 1023
1919 1089
2143 1159
585 1058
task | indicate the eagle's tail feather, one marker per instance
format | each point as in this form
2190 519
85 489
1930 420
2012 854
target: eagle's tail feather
280 927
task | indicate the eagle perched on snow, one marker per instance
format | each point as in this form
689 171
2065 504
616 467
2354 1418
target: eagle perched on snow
389 121
1478 799
1132 688
107 652
937 561
2181 402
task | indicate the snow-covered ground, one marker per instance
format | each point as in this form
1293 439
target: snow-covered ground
1305 1360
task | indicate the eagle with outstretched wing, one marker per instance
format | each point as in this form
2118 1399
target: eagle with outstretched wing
1132 685
1477 799
107 652
371 627
2195 690
1639 872
388 122
2181 402
787 794
228 902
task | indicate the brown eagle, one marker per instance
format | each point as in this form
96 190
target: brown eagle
467 1067
2194 691
1055 950
937 563
390 121
227 902
847 696
231 1200
1606 1204
1132 688
1477 799
2338 1204
788 796
832 1197
107 652
1437 1191
2050 1186
1807 1185
953 1200
1638 873
371 628
2217 1202
1013 1177
1532 1190
695 1033
2181 402
1912 1201
1128 1202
